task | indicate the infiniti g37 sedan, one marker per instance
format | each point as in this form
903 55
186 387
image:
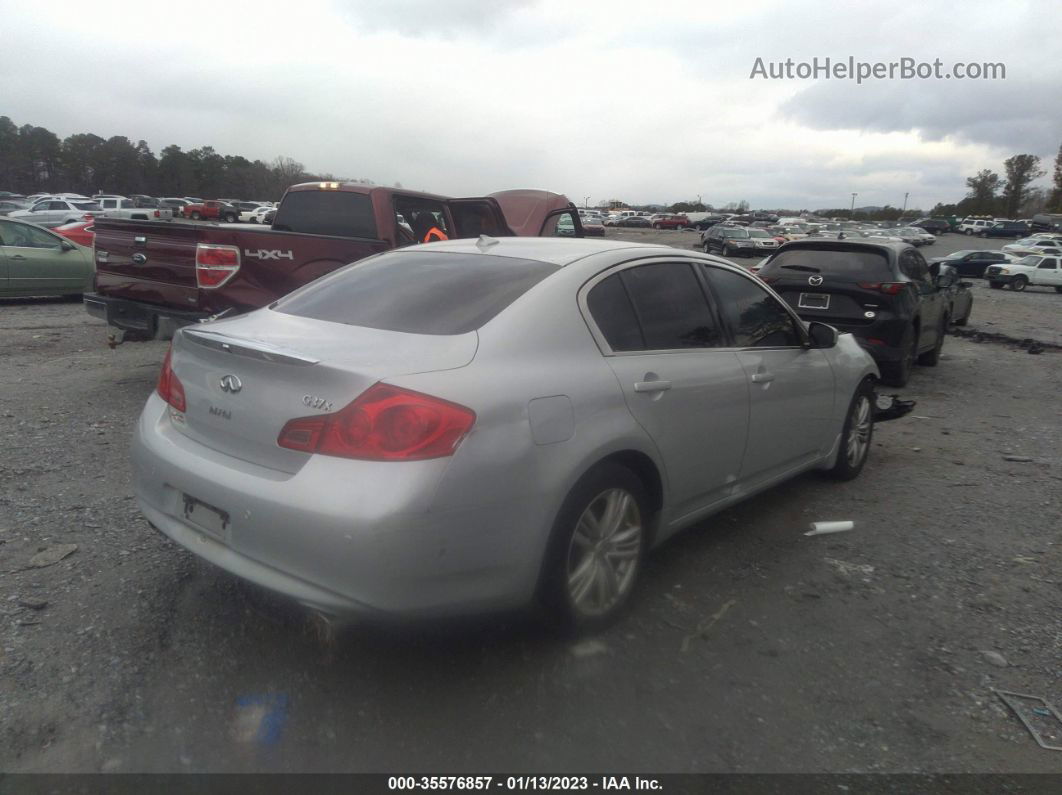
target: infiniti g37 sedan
468 425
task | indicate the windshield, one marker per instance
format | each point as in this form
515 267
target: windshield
759 233
736 234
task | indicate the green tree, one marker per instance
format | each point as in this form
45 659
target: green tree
1055 201
983 188
1021 170
80 157
9 153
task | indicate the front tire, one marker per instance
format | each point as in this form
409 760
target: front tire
707 248
857 434
196 216
596 549
1019 283
996 285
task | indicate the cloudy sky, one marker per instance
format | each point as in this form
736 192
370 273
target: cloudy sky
642 101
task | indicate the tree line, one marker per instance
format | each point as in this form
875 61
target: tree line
1012 194
34 159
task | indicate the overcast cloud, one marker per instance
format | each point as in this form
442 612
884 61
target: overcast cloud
646 102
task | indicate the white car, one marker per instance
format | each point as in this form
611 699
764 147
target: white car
975 226
56 212
254 216
1032 245
115 207
1031 270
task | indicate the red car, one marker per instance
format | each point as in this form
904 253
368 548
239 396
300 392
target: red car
671 222
211 211
80 232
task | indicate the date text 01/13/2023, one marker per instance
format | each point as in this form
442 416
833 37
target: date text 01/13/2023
522 783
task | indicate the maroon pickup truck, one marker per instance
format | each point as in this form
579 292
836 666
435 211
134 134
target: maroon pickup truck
152 278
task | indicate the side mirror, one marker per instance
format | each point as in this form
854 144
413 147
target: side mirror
934 270
822 335
66 245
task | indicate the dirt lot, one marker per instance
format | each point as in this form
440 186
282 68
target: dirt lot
751 647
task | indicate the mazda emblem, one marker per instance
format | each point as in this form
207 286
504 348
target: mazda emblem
814 281
231 384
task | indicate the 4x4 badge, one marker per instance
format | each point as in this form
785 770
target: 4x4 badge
814 281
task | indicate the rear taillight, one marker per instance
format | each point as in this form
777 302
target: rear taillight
385 423
169 386
889 288
215 265
158 214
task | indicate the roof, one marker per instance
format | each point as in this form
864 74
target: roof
556 250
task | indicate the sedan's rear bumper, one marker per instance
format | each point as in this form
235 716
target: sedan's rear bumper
340 536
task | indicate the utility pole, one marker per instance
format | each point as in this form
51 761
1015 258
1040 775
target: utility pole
852 208
904 211
586 203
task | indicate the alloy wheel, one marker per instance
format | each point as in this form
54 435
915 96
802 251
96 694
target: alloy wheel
858 441
604 552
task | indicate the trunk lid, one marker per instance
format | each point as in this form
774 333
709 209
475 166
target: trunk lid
245 378
157 252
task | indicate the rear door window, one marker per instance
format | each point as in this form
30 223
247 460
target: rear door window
670 306
418 292
326 212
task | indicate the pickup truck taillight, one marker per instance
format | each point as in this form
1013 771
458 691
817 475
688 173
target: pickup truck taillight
158 214
215 265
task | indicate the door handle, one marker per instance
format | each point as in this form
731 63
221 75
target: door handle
762 378
652 386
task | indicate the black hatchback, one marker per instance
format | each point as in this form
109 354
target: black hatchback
884 293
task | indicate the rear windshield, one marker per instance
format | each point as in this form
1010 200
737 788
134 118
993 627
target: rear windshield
326 212
86 205
862 263
418 293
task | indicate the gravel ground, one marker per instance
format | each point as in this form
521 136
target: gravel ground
750 647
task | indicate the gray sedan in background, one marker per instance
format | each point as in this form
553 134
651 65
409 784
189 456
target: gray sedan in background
475 425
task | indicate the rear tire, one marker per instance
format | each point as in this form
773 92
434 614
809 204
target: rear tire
196 216
931 358
857 434
1019 283
596 549
707 248
899 373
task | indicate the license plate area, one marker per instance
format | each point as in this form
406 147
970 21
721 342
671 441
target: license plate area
814 301
205 516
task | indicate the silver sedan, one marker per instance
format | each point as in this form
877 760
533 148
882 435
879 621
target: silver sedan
473 425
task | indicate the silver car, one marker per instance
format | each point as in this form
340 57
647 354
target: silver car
56 212
470 425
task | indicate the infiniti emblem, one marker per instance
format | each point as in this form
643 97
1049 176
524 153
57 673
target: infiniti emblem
230 383
814 281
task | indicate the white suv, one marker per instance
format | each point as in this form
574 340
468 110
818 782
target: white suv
975 226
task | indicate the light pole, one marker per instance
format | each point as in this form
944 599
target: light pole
586 203
852 208
904 210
